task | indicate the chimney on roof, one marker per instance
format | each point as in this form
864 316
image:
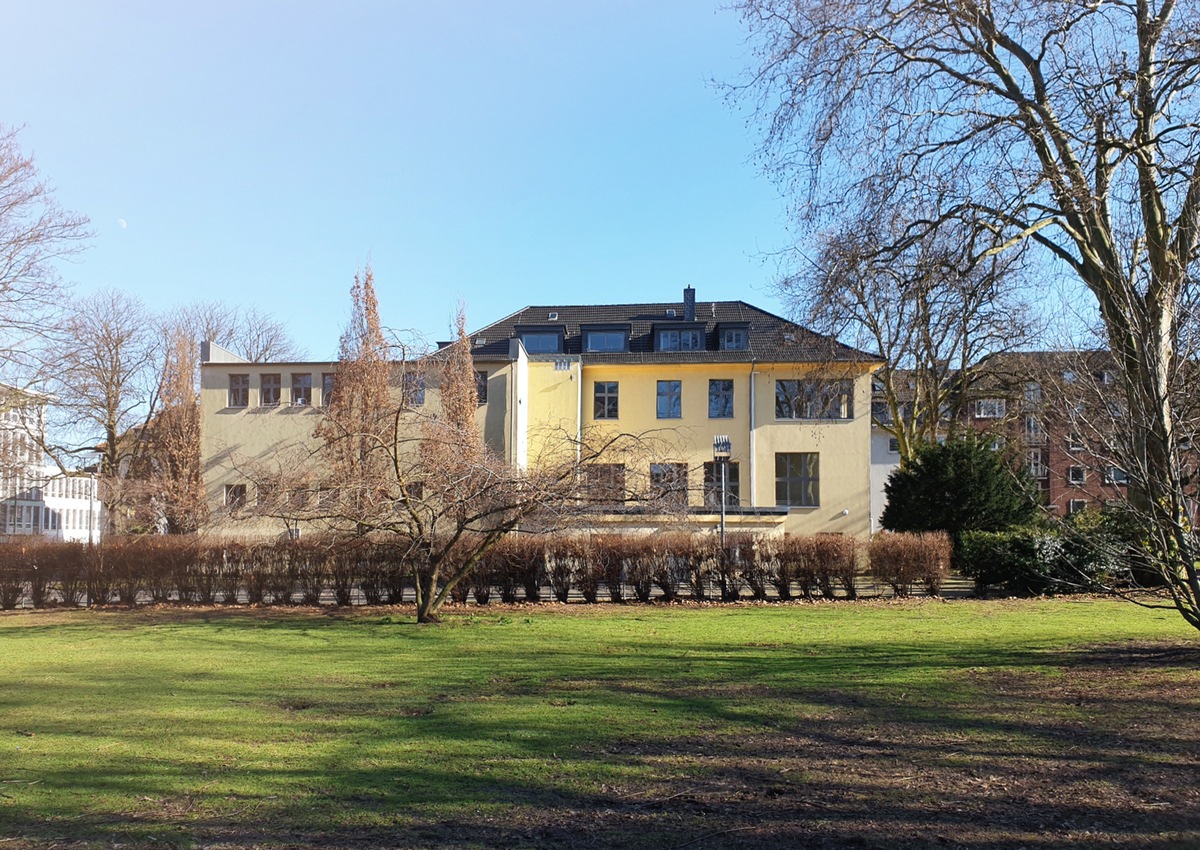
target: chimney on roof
689 304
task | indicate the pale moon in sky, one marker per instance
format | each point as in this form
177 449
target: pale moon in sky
122 223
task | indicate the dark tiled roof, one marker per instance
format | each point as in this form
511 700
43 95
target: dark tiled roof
771 338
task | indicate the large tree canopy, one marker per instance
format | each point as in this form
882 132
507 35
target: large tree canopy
1072 126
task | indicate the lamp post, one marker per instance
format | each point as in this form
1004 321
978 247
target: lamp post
721 453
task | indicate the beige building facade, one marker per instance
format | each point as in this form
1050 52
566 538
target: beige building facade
793 405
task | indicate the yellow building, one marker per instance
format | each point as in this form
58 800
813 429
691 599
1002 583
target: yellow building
794 406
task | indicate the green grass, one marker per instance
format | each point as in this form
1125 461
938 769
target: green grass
185 727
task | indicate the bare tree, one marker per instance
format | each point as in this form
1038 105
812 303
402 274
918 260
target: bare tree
1072 126
933 302
415 472
248 332
35 233
105 385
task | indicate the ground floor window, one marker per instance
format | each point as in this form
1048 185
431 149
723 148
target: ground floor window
712 484
668 483
797 479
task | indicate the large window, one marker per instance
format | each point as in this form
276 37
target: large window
239 390
604 482
720 398
270 387
668 483
685 340
797 479
670 400
301 388
328 381
604 341
542 342
814 399
712 484
605 399
1035 433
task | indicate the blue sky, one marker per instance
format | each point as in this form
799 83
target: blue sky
504 153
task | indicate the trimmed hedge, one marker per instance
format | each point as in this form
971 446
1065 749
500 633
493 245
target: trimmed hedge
317 570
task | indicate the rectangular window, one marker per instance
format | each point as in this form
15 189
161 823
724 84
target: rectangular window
301 388
712 484
604 482
815 399
990 408
1103 377
668 483
1076 475
894 445
235 496
1075 443
720 398
734 339
549 342
1076 505
1115 475
604 341
481 381
328 381
414 389
239 391
605 393
270 388
670 400
688 340
1033 392
1037 463
797 479
1035 434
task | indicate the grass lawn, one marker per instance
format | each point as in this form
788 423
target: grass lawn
920 724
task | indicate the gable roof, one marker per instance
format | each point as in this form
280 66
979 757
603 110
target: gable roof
770 338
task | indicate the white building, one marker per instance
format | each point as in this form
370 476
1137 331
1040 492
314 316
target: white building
36 498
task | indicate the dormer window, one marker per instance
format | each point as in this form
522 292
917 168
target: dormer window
734 339
542 342
605 339
681 340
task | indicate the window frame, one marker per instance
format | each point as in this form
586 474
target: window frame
481 386
302 390
712 485
270 381
604 333
742 335
606 397
672 339
556 336
819 396
991 408
665 480
1076 475
239 395
604 482
722 397
328 387
668 391
804 486
235 496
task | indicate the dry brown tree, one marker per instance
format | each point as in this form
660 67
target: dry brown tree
1070 126
415 473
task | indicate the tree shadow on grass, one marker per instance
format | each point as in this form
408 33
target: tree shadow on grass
754 747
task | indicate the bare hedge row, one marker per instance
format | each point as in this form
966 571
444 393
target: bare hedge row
612 567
